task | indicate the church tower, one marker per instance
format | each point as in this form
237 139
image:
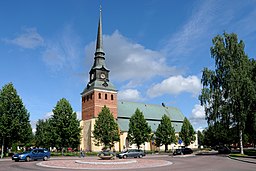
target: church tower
98 93
99 90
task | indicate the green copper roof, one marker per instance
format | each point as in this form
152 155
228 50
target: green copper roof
152 113
124 125
97 84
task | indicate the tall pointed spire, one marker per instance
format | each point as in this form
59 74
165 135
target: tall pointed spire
99 44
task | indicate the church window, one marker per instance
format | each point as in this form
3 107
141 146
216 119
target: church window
99 95
87 98
106 96
112 97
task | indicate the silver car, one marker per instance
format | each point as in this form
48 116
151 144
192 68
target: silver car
131 153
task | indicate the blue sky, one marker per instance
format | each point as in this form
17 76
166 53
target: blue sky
155 49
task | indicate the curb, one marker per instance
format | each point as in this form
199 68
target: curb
242 159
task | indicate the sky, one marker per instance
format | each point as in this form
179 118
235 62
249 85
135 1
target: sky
155 49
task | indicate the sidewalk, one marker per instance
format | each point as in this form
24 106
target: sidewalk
247 159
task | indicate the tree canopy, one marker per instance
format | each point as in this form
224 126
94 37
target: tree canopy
64 126
165 133
187 132
139 130
14 118
228 93
106 130
43 134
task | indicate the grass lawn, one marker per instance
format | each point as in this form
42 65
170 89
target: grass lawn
247 152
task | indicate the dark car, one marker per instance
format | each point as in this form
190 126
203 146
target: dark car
131 153
183 151
33 154
224 150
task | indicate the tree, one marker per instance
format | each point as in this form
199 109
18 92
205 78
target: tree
200 136
165 133
14 119
228 90
139 130
187 132
106 130
65 127
43 133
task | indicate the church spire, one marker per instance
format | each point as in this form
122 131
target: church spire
99 44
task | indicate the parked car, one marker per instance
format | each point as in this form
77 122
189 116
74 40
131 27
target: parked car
181 151
33 154
224 150
131 153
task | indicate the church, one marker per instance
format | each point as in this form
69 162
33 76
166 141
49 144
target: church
100 91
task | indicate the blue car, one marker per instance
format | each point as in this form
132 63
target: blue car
33 154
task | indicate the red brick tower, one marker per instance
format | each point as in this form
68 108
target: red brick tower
99 91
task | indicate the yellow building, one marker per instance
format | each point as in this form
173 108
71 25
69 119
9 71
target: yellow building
100 91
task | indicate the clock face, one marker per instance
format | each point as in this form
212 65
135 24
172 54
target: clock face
102 75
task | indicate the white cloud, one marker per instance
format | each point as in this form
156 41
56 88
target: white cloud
131 61
63 51
176 85
198 112
197 117
29 39
79 115
48 115
129 95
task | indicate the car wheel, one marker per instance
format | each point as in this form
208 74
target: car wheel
27 158
124 156
140 156
45 158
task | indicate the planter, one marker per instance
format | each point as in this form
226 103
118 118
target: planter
106 155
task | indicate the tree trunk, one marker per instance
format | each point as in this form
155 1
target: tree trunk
241 141
62 151
166 147
2 152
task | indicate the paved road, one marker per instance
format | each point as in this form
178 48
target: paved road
193 163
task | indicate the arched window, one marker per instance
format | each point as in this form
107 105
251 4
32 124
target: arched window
99 95
106 96
112 97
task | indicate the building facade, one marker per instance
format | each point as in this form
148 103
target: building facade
100 91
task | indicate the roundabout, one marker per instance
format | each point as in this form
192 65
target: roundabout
95 163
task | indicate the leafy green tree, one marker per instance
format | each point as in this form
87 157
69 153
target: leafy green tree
106 130
250 124
165 133
228 91
14 119
139 130
43 133
187 132
64 125
200 136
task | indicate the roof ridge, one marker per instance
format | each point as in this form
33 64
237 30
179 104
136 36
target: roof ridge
123 101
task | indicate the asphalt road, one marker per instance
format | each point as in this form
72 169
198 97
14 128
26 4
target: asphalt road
192 163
